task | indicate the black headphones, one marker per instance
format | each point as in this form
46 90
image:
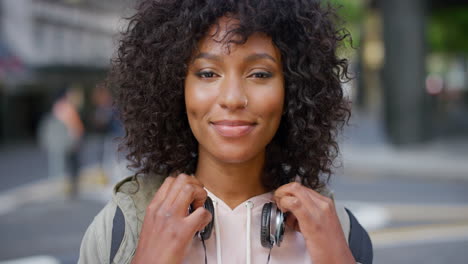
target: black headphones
272 224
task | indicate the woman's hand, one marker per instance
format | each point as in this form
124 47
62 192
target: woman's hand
167 229
315 217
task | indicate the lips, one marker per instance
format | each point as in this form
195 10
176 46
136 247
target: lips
233 128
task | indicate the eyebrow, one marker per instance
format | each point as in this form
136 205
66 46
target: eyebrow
258 56
253 57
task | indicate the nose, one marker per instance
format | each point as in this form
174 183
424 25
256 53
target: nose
232 94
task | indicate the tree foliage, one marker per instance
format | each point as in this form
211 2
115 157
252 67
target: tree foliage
447 31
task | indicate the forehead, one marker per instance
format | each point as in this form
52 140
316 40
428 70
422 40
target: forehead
219 40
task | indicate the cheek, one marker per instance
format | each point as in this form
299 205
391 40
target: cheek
197 102
271 105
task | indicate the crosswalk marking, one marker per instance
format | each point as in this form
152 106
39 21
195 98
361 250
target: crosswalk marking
427 212
33 260
421 234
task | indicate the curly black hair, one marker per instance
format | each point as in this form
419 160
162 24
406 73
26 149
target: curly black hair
148 72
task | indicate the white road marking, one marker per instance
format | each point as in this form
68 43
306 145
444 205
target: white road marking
452 222
427 212
370 216
416 163
33 260
49 189
423 234
41 190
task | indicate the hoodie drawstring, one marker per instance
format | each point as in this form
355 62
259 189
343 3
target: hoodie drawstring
217 234
249 205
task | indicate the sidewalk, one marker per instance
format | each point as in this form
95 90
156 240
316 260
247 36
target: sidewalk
25 179
365 152
430 162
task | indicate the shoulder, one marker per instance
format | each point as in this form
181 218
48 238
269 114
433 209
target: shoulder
134 194
96 241
115 230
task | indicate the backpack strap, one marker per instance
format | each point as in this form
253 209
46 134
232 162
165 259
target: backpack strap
359 241
118 231
140 191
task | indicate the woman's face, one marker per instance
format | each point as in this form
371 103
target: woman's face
234 97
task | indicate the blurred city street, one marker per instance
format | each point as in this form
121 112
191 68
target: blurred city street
403 162
412 217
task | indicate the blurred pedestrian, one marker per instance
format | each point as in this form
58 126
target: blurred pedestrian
108 129
102 124
60 134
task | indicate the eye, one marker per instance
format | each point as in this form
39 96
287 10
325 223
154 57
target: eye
261 75
206 74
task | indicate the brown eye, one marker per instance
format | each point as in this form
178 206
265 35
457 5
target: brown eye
261 75
206 74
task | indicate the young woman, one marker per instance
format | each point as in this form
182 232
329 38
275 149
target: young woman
238 101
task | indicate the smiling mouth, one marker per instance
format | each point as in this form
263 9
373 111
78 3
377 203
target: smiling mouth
233 128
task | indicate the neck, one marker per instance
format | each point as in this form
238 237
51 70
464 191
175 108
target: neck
233 183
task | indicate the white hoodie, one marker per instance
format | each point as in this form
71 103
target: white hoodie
236 237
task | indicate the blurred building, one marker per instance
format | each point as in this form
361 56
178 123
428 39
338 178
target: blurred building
413 68
420 92
48 44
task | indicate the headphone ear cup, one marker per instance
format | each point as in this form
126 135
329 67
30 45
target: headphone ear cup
265 226
206 233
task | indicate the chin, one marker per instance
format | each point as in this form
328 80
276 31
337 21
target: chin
234 156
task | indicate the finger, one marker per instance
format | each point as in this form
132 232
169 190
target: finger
296 207
291 222
161 194
288 189
317 196
199 198
180 181
190 194
294 189
198 219
325 204
304 193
